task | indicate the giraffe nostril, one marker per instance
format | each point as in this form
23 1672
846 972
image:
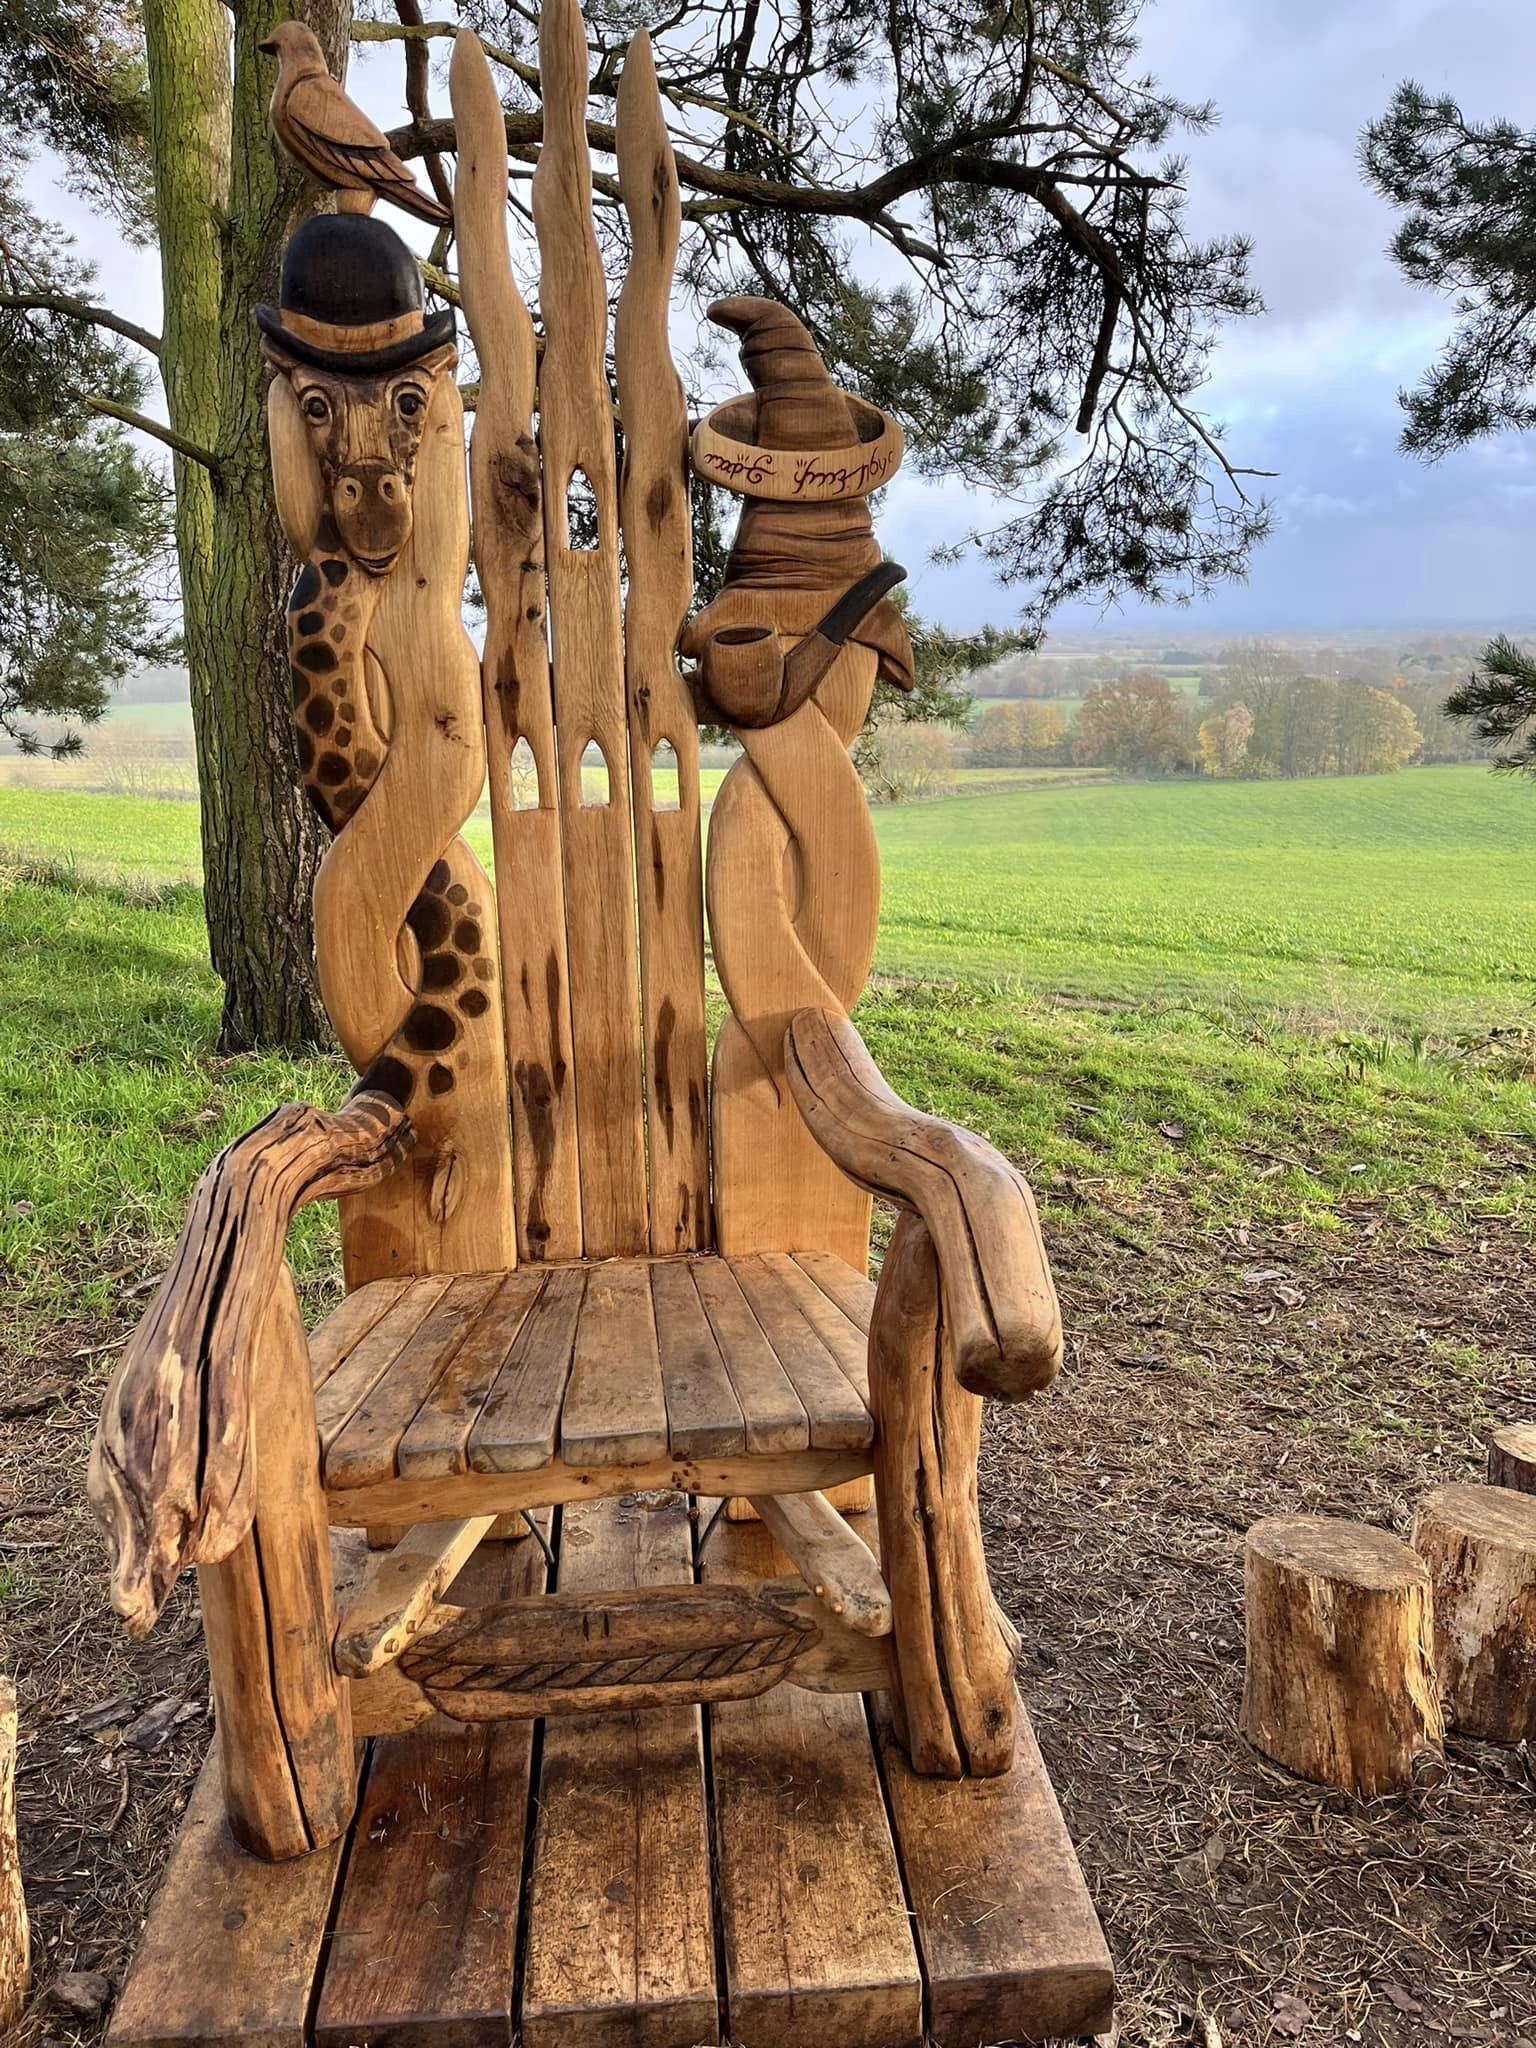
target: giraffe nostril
350 490
387 488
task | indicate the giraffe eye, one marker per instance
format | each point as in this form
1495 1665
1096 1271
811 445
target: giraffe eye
316 408
408 404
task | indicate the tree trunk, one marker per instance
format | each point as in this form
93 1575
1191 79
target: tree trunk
225 200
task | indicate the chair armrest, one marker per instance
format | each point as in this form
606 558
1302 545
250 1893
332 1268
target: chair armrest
171 1477
1001 1316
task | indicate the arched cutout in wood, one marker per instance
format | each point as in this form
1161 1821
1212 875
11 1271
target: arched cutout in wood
665 788
523 778
580 513
595 776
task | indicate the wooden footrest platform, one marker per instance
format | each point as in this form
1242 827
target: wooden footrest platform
767 1873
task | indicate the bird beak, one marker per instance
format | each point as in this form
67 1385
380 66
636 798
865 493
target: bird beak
268 48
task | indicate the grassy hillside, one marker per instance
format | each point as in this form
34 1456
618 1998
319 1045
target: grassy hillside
1287 1002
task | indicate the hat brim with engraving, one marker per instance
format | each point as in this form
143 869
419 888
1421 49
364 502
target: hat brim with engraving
351 299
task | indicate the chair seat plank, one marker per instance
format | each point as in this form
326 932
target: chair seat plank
437 1439
423 1950
620 1942
363 1452
615 1409
349 1386
345 1327
839 1417
854 1295
704 1414
1011 1947
241 1976
817 1946
774 1413
519 1426
848 1344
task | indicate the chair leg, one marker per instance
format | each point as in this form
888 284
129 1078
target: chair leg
954 1698
269 1616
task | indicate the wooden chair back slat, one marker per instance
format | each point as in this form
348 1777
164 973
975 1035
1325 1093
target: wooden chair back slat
587 648
653 509
525 805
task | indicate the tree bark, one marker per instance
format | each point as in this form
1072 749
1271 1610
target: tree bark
225 200
1340 1680
1479 1543
1512 1457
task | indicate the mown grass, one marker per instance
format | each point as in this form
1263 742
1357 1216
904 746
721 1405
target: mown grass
1272 1001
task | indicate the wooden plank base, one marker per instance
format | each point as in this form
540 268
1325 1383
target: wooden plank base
823 1851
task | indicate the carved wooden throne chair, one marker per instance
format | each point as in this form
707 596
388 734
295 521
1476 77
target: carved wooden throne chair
584 1258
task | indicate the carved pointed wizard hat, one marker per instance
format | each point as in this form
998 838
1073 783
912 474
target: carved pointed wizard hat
351 300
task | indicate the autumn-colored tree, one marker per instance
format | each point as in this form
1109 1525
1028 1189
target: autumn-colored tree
1136 723
1021 734
1375 732
1222 742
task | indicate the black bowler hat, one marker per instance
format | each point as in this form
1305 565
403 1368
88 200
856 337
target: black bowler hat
351 298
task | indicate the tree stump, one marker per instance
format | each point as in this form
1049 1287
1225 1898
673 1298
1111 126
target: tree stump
15 1943
1479 1543
1340 1681
1512 1457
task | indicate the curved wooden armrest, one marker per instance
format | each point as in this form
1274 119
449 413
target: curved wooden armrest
1000 1309
170 1477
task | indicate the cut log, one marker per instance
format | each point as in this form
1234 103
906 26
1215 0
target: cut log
1340 1682
1479 1543
15 1942
1512 1457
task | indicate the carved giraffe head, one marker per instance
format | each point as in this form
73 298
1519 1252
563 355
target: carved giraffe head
366 434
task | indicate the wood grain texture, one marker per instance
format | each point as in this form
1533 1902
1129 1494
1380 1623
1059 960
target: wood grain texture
654 517
547 1484
15 1934
1339 1684
518 1429
346 1326
1479 1544
269 1619
406 1583
586 637
239 1971
615 1410
816 1939
436 1439
1512 1457
171 1476
1003 1323
404 939
507 490
620 1945
704 1411
792 874
1011 1947
832 1559
426 1929
955 1705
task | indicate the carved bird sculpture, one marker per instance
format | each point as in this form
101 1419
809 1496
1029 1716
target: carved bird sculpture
331 138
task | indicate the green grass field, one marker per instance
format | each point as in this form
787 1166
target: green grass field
1243 999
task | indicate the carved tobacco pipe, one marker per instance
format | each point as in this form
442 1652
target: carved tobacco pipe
745 678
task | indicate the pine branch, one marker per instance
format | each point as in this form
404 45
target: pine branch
157 429
83 310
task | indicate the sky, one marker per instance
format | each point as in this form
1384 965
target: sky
1365 535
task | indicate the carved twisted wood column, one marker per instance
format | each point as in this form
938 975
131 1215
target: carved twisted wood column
369 474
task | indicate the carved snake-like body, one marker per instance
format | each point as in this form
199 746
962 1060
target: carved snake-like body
793 873
386 705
